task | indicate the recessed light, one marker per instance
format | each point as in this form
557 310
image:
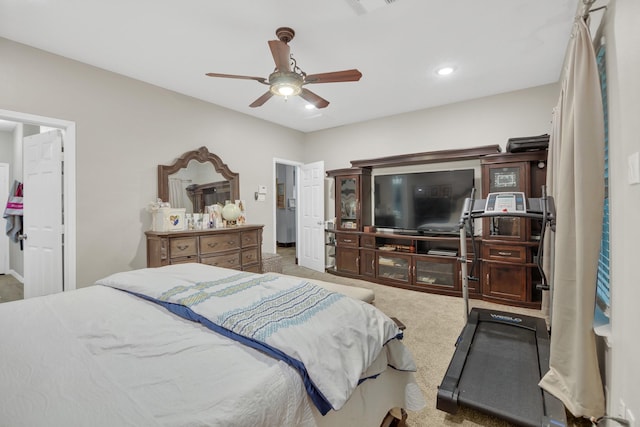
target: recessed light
444 71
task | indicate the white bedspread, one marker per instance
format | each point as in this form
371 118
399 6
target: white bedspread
332 340
101 357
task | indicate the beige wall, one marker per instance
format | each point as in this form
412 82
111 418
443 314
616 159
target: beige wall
484 121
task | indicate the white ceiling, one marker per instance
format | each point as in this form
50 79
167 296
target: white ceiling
495 46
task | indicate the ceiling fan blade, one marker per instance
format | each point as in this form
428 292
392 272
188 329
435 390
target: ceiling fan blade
264 98
336 76
233 76
280 51
314 99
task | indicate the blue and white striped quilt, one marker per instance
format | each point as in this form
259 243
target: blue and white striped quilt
330 339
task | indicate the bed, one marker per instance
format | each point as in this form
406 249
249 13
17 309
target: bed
147 347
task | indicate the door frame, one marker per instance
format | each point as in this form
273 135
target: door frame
276 162
68 186
4 240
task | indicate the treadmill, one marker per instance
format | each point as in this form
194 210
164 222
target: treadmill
500 357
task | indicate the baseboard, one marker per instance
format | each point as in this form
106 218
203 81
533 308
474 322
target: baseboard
17 276
285 245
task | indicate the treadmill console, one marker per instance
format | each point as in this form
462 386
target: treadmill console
508 202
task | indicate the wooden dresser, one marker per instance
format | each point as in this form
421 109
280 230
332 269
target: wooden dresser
234 247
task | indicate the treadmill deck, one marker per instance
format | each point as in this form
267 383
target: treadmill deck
498 363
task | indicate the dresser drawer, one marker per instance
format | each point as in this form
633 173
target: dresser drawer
249 256
368 242
226 261
219 243
252 268
347 240
517 254
183 247
249 238
184 260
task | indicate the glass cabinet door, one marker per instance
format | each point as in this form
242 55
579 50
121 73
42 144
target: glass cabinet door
394 267
436 272
348 199
505 179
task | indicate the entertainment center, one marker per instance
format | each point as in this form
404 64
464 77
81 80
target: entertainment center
401 229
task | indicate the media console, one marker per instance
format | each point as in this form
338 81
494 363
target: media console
505 271
418 262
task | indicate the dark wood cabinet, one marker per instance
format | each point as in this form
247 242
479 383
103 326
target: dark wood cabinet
368 256
510 244
423 263
505 282
348 253
353 198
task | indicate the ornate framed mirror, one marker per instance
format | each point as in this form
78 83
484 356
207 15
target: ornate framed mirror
204 185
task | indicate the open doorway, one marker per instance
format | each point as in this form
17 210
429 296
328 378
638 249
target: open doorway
286 219
307 206
23 125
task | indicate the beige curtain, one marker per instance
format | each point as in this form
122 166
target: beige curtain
576 171
177 194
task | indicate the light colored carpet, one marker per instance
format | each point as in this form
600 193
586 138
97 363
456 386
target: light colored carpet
433 325
10 288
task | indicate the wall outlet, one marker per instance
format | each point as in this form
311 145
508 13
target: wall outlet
630 418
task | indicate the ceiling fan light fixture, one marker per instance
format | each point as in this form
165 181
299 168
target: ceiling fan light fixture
288 79
285 84
445 71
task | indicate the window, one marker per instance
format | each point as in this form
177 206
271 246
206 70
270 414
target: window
602 284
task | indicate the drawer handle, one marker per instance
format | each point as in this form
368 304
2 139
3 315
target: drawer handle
505 253
231 242
347 240
212 245
182 247
249 256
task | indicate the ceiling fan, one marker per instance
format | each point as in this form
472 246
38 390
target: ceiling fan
288 79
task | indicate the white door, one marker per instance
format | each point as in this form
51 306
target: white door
4 239
42 200
311 219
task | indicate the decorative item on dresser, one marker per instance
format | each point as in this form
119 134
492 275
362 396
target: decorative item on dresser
237 247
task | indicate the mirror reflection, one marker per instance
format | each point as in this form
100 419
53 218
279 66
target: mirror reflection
196 186
197 179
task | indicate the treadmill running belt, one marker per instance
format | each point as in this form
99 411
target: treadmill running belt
502 371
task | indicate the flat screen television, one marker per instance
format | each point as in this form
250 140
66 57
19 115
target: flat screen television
423 202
